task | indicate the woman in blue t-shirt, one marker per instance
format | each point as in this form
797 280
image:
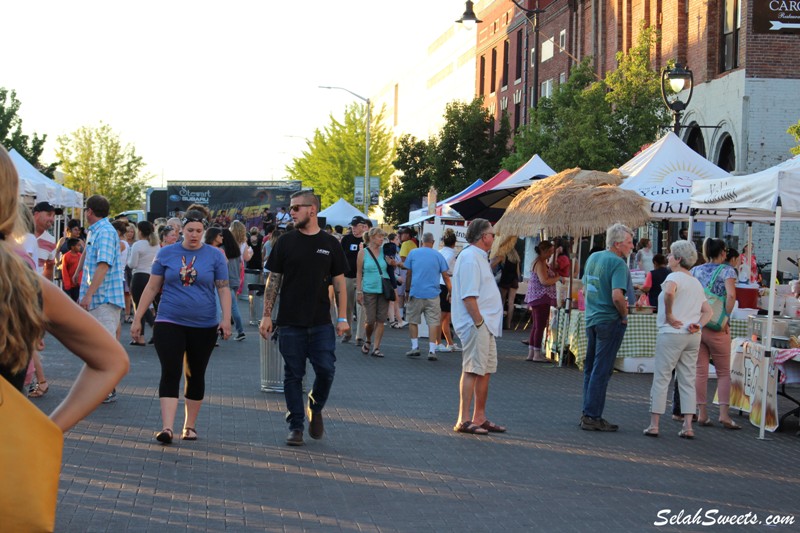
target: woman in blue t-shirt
188 275
716 345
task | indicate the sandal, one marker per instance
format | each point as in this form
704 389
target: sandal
189 434
491 427
365 348
730 424
37 391
129 319
650 432
705 423
134 343
686 434
164 436
377 353
468 427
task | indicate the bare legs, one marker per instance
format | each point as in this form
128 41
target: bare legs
169 406
446 328
473 385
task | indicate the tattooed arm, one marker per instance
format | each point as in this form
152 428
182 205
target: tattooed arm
225 297
270 295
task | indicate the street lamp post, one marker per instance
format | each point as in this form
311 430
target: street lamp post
468 19
366 156
677 79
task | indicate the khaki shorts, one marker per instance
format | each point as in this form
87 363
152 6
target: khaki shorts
416 307
108 316
479 355
376 308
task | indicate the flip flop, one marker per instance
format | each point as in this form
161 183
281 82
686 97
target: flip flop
686 434
491 427
730 425
650 432
468 427
37 391
705 423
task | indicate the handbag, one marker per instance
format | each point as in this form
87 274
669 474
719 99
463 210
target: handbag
719 316
386 285
30 462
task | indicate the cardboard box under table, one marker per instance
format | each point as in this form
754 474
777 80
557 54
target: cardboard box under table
638 346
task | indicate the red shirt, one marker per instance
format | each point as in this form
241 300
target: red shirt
69 263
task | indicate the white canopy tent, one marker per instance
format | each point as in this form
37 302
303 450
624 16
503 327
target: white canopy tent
34 183
770 195
664 172
340 213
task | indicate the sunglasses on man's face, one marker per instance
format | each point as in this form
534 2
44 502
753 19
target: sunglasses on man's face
296 207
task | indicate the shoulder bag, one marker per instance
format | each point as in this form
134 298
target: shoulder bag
719 316
30 462
386 285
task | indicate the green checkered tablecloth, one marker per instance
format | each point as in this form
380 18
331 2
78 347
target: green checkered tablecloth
640 336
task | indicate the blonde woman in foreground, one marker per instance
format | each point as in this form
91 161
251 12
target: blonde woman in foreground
34 305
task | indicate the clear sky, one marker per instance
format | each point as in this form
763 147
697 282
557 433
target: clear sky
207 90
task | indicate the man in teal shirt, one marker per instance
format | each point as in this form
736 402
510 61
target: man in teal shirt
606 279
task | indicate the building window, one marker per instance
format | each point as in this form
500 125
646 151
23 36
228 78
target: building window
493 80
517 115
506 60
547 88
731 22
562 78
547 49
727 155
518 57
482 76
562 41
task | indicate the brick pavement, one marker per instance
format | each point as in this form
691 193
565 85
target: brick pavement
390 460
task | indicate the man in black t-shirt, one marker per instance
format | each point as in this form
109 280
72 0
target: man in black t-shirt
302 265
352 244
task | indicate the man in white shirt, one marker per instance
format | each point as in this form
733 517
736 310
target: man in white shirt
44 216
477 311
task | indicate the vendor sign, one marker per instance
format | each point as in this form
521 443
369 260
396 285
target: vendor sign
747 364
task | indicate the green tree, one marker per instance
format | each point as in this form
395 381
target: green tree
596 124
414 161
11 135
467 148
95 161
794 131
335 155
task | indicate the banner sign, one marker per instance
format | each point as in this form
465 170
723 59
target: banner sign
241 200
747 366
776 16
374 189
358 197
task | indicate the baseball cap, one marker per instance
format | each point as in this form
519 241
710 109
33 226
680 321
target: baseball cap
358 220
46 206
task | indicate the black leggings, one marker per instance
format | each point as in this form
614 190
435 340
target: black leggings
138 283
172 341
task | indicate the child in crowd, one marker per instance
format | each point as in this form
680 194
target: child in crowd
69 264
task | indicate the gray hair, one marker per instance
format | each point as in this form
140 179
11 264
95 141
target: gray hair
684 252
476 229
616 233
428 237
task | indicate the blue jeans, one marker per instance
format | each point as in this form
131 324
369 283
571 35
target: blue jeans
297 344
237 317
602 344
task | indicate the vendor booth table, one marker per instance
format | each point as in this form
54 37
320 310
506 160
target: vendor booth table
638 346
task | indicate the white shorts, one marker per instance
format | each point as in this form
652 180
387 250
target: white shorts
108 316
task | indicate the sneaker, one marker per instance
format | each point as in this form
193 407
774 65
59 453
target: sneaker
455 348
240 337
413 353
111 398
597 424
443 348
432 356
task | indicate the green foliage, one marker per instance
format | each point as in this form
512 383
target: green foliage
414 161
11 135
95 161
794 131
595 124
467 148
335 155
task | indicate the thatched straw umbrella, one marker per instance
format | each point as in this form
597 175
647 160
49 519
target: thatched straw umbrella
574 202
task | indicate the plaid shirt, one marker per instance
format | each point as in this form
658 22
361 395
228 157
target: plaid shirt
102 246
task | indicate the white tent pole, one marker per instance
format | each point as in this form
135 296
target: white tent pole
749 257
770 317
691 228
